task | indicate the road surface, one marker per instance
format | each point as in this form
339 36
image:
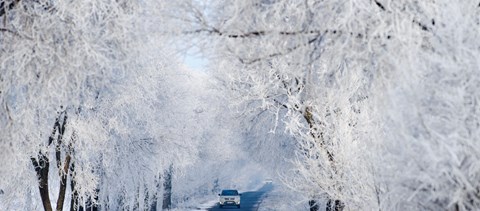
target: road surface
249 201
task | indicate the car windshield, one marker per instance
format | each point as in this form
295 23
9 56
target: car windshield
229 192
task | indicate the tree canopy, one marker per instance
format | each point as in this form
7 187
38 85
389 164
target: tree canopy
358 105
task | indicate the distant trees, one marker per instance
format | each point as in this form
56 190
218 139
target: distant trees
347 80
150 138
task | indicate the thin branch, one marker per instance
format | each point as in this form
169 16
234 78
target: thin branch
380 5
10 31
279 103
421 25
14 33
9 114
213 30
289 50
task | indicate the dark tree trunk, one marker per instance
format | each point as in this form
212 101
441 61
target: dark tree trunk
167 185
42 164
74 199
146 199
74 206
136 203
41 168
313 205
63 184
158 185
337 205
62 171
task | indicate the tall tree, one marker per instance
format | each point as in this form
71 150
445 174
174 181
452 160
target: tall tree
56 57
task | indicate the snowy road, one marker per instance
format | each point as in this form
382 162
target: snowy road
249 200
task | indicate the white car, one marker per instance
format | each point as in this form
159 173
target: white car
229 197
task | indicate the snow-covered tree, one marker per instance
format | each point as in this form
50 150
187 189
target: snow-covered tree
56 60
145 117
350 79
429 153
126 116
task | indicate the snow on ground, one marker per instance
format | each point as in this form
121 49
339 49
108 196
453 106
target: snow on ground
282 199
278 199
206 205
241 175
200 203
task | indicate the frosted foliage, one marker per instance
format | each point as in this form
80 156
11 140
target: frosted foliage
128 112
380 97
89 137
60 58
152 122
373 105
315 94
54 53
432 121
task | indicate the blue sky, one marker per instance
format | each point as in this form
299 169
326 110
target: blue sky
195 62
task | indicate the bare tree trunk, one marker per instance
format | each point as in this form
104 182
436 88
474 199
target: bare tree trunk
41 168
146 199
62 172
167 185
136 203
337 206
158 185
313 205
74 198
63 184
42 165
